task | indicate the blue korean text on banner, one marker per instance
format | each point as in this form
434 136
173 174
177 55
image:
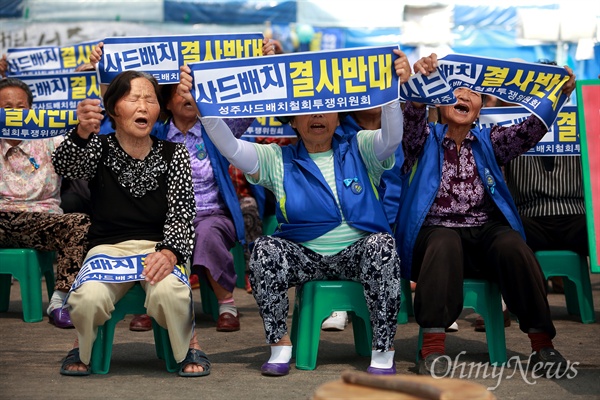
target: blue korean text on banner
269 127
104 268
61 91
48 59
161 56
561 140
23 124
537 87
293 84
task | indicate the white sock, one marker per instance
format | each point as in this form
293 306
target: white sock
382 359
228 306
56 301
280 354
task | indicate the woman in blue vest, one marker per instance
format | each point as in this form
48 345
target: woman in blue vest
457 220
331 221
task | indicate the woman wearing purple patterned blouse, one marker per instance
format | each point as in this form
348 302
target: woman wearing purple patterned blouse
457 220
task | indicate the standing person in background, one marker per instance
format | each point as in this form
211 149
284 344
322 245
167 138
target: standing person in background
30 213
457 220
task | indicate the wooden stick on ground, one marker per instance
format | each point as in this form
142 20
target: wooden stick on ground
418 389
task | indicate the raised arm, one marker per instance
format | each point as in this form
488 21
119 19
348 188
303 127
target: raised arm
240 153
388 138
78 156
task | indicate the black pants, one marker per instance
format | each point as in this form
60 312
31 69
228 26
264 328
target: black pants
443 257
557 232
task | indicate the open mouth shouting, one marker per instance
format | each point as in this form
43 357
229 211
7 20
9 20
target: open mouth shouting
462 108
141 122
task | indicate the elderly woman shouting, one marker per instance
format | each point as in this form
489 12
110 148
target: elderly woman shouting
142 204
327 229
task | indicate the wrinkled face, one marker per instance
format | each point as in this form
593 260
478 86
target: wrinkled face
13 97
180 107
316 128
138 110
465 111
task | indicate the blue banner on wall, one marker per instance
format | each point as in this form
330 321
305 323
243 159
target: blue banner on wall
48 59
291 84
161 56
561 140
536 87
61 91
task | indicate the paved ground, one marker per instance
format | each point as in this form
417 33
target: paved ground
31 353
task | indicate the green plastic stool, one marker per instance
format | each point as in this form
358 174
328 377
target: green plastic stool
209 301
239 263
406 307
484 297
578 289
27 266
315 301
131 303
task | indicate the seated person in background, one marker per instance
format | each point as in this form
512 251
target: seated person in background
142 203
548 192
219 223
30 215
314 240
462 228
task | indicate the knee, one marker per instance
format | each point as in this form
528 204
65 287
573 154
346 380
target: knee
168 291
90 295
445 241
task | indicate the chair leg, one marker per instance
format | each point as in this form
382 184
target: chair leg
5 283
494 320
164 351
578 295
308 336
210 305
406 307
363 338
294 328
31 294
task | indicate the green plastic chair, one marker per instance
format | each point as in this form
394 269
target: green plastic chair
315 301
210 304
27 266
484 297
406 307
131 303
578 289
239 263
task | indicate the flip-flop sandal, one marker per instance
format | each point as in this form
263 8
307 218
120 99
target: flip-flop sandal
195 356
73 358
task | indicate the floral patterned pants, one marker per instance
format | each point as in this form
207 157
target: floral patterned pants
278 264
64 233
